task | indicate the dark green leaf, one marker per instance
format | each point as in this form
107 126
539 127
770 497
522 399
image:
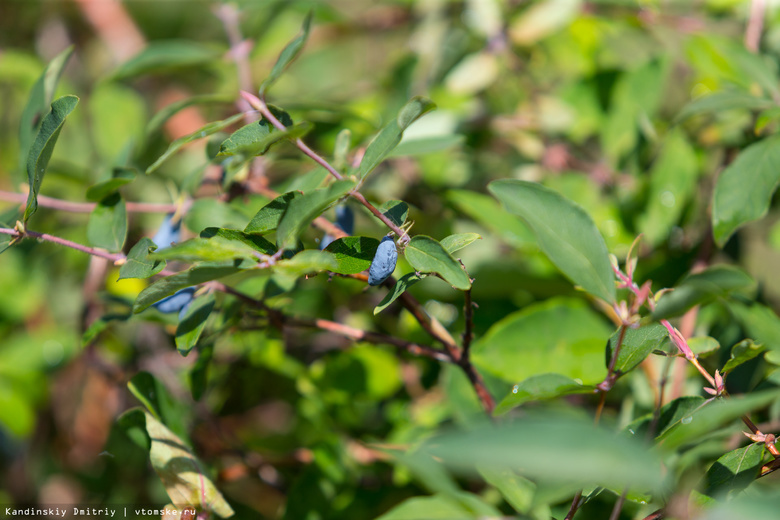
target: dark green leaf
390 136
702 287
760 322
43 146
119 178
302 210
637 345
720 101
672 414
191 325
209 129
107 226
101 324
429 256
162 56
734 471
159 402
288 55
540 387
256 138
199 374
353 254
161 117
401 286
396 211
457 242
744 189
138 263
255 241
38 103
565 233
741 353
169 285
267 219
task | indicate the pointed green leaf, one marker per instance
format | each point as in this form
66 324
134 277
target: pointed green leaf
38 103
389 137
255 241
744 190
353 254
167 56
488 212
672 415
537 388
741 353
207 130
565 233
637 345
438 507
457 242
216 249
198 376
107 226
401 286
43 146
256 138
288 55
267 219
192 323
734 471
760 322
427 255
119 178
138 263
306 262
725 100
395 210
302 210
170 284
159 402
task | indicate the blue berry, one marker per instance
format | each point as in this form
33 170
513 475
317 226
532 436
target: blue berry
175 302
168 233
383 264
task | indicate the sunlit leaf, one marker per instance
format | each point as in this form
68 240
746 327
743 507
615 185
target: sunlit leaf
427 255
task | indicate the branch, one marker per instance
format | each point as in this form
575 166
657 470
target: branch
114 257
85 207
228 14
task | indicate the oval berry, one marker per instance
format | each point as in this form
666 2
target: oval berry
175 302
168 233
384 262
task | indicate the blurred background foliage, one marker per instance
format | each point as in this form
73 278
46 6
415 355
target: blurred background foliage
584 97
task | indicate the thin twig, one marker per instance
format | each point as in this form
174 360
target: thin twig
228 14
619 505
575 505
85 207
468 333
114 257
755 25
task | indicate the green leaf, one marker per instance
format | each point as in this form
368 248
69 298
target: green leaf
488 212
734 471
170 284
181 473
216 249
208 212
198 376
306 262
162 56
159 402
341 149
8 220
267 219
193 322
565 233
436 507
256 242
161 117
702 346
741 353
107 226
38 103
353 254
119 178
539 446
256 138
713 415
720 101
760 322
389 137
530 341
302 210
207 130
703 287
766 118
637 345
517 491
288 55
43 146
138 263
429 256
744 189
396 211
671 416
428 144
401 286
540 387
457 242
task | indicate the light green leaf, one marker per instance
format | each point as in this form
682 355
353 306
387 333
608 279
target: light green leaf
401 286
288 55
208 212
760 322
170 284
540 387
637 345
216 249
193 322
209 129
302 210
267 219
741 353
517 491
565 233
256 138
542 19
744 189
734 471
163 56
43 146
38 103
723 100
488 212
138 263
390 136
701 288
428 144
306 262
353 254
256 242
457 242
428 256
436 507
119 178
107 226
341 149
